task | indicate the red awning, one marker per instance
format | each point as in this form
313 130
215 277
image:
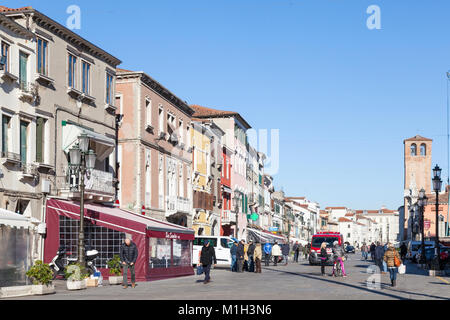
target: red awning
121 220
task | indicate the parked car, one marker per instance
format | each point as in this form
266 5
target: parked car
429 253
350 249
413 248
221 245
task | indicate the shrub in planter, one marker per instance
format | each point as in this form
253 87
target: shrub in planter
76 276
41 275
115 270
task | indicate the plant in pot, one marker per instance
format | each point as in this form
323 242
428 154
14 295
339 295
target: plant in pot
41 275
115 270
76 276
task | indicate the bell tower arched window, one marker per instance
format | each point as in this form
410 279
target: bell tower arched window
414 149
423 149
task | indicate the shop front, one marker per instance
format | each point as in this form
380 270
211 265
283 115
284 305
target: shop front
165 249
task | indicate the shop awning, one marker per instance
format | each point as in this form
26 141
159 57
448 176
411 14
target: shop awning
13 219
264 236
101 144
121 220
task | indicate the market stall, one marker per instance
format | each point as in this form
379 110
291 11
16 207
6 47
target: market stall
165 249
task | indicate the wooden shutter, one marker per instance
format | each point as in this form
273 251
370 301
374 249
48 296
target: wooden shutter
39 139
23 142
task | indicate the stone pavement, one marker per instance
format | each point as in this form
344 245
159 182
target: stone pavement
297 281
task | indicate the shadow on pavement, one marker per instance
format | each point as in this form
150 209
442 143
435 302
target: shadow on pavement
355 286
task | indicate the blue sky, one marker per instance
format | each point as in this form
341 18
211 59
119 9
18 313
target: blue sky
343 97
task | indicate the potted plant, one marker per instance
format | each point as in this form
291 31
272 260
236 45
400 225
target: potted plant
115 270
76 276
41 275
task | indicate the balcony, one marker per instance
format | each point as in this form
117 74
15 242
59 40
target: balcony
5 75
228 217
10 158
29 171
177 205
28 91
99 185
43 78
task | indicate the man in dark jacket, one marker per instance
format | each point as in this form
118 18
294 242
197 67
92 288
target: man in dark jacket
128 257
372 251
250 254
379 254
296 250
285 250
267 252
403 251
233 251
240 256
207 257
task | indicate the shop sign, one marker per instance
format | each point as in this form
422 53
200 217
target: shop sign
171 235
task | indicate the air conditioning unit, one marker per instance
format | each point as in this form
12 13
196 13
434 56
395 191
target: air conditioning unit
46 187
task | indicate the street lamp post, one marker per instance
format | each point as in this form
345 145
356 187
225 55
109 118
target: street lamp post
82 161
422 202
437 184
236 200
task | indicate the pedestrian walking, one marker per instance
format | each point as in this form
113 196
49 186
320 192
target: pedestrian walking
403 251
323 257
258 257
389 257
240 256
207 258
233 251
276 253
296 250
364 251
128 256
268 252
285 251
372 251
379 254
250 254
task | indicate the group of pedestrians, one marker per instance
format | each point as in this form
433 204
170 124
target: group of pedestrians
385 257
246 256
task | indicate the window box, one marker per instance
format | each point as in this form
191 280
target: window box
10 157
88 98
149 128
74 93
110 108
8 76
44 79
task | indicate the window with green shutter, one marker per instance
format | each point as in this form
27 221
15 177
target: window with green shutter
39 139
5 129
23 141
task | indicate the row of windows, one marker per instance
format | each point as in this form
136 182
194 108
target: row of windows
42 57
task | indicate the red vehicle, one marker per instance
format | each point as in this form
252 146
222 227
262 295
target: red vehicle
318 239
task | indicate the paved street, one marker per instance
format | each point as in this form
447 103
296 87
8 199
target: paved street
296 281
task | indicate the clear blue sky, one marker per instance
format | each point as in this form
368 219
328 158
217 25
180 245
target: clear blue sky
344 97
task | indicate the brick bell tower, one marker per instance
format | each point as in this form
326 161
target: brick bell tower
417 164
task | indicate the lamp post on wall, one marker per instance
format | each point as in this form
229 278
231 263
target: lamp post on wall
437 184
82 161
422 202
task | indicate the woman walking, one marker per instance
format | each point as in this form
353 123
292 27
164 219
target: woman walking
390 257
323 257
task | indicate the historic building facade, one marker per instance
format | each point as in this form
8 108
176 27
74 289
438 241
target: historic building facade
155 151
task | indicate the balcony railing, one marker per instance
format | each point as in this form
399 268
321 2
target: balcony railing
11 157
97 182
183 205
178 204
228 217
28 90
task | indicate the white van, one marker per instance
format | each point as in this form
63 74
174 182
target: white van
221 246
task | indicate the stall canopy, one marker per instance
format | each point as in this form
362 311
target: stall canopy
141 228
101 144
13 219
264 236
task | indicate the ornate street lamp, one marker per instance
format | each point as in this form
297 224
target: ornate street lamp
437 185
422 202
82 161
